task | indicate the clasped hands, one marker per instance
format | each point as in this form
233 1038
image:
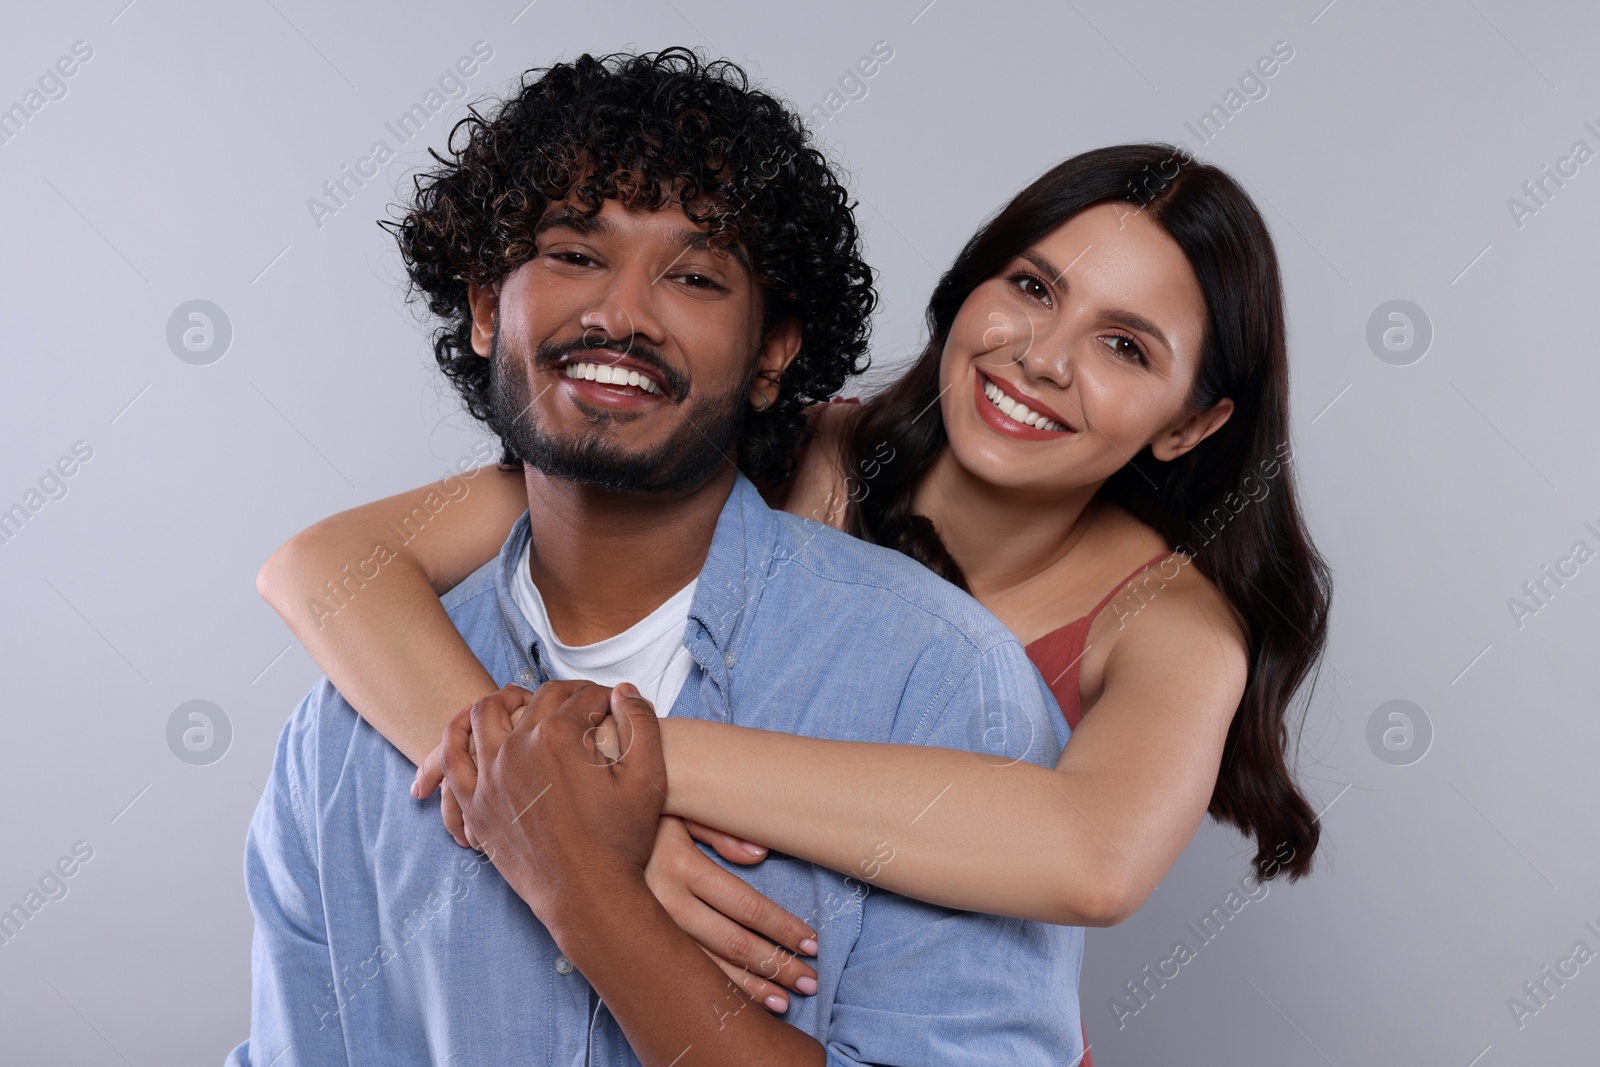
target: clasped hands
563 789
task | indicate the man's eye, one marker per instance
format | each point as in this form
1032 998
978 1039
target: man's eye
576 259
698 281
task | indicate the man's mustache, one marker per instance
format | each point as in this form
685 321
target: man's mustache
552 352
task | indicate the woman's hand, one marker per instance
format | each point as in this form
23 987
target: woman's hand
513 699
740 929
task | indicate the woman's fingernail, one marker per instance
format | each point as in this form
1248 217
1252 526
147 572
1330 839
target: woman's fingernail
777 1003
753 848
808 986
808 945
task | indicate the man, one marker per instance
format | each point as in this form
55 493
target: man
635 294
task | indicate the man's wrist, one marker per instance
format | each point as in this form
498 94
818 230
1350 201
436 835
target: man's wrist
581 909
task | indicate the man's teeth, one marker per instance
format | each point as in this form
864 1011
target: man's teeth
600 372
1019 412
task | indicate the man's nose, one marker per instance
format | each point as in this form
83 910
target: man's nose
627 306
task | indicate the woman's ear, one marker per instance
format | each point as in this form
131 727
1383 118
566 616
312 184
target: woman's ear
1190 431
778 350
484 300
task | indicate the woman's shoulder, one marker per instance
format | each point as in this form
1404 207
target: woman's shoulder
833 419
1164 587
1168 613
816 489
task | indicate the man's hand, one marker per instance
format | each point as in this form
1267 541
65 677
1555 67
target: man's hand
515 700
572 830
556 815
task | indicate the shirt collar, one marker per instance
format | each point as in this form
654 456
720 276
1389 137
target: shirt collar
739 562
737 568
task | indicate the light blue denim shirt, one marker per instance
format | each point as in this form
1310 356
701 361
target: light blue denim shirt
380 941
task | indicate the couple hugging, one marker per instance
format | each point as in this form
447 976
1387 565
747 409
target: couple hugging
790 730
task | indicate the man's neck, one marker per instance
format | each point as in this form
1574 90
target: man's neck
603 560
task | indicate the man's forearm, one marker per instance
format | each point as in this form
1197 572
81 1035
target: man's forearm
675 1006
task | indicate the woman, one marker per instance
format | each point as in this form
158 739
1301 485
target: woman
1094 444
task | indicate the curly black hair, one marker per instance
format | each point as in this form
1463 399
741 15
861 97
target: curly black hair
649 130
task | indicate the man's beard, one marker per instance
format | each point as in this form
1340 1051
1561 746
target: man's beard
687 459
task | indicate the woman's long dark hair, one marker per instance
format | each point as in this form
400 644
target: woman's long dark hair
1255 550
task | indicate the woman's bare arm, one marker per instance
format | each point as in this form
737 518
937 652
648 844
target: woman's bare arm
386 643
1082 845
361 591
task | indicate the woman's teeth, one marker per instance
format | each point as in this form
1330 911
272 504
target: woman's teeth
1019 412
600 372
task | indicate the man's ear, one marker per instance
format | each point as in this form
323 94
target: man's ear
484 300
1194 428
778 350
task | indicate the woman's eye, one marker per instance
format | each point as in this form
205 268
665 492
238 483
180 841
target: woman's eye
1126 347
1032 287
575 259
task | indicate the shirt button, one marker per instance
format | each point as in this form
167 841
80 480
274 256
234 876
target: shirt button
563 965
727 660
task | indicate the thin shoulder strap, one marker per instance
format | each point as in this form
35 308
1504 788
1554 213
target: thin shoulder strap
1131 576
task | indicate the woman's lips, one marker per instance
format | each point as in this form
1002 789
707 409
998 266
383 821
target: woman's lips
1006 424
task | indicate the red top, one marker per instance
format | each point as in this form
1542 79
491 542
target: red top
1058 653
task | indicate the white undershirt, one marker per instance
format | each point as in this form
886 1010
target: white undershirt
650 653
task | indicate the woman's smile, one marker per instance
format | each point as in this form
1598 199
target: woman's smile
1004 408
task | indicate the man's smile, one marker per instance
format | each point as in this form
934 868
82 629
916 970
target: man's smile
612 375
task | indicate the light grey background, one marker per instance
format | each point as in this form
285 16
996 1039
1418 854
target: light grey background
178 167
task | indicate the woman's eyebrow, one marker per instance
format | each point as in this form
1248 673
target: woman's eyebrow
1134 321
1045 267
1131 319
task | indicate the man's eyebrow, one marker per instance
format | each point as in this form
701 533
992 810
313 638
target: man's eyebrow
700 241
573 221
1131 319
691 240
